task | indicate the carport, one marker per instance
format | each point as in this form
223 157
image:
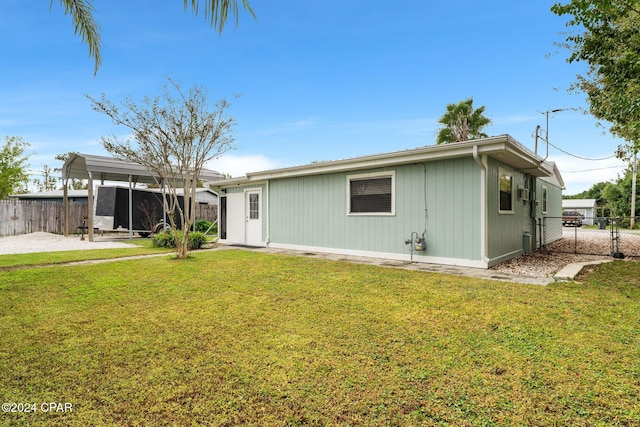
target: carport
102 168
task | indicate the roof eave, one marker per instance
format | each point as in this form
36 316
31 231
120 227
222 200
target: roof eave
502 147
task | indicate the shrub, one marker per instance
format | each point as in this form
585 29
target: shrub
196 240
202 225
166 239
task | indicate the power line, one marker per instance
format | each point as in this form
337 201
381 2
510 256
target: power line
580 157
595 169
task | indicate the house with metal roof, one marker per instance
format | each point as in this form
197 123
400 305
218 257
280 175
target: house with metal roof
473 203
204 196
54 196
588 208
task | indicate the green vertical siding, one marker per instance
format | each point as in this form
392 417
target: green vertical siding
505 231
453 210
312 211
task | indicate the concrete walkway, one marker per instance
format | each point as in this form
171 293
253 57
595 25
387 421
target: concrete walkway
569 272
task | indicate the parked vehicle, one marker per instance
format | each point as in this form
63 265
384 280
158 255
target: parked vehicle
571 218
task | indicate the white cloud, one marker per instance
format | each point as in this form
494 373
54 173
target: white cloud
240 165
580 175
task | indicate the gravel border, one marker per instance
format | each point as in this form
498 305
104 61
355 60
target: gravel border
593 245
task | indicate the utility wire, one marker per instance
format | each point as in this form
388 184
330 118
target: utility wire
579 157
595 169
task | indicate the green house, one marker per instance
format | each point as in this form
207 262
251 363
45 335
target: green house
474 203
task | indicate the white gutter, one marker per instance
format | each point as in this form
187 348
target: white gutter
484 241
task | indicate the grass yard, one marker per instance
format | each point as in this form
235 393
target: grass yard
240 338
143 247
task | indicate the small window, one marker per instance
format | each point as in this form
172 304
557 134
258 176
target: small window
254 206
544 199
371 194
506 191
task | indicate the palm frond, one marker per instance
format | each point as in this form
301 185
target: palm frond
217 11
81 12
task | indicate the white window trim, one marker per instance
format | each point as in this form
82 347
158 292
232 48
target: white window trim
501 172
391 174
545 199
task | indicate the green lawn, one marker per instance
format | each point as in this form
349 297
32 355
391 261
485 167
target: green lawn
143 247
240 338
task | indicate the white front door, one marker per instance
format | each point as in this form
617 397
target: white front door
253 214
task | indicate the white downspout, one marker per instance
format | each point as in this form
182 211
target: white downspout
484 241
268 239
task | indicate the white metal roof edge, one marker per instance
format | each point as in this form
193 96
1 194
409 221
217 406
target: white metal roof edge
491 146
112 169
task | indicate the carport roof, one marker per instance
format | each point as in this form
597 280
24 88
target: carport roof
103 168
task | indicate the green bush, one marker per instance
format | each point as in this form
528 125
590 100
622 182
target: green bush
196 240
202 225
168 240
626 223
164 239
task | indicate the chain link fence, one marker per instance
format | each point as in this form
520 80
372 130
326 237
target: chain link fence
606 236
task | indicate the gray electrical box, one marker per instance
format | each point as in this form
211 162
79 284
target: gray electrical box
526 242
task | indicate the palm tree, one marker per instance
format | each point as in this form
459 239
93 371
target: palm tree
461 123
81 11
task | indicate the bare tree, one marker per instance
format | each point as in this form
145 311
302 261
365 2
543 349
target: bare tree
76 184
173 136
49 180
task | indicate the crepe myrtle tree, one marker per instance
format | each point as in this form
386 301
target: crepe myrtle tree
173 135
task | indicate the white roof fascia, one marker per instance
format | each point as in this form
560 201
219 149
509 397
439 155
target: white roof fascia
578 203
502 147
112 169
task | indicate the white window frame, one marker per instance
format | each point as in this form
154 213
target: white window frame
509 173
359 177
545 199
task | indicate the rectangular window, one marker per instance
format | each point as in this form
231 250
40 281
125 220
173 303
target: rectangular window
254 206
371 194
505 185
544 199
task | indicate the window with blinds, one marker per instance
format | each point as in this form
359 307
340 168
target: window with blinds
371 194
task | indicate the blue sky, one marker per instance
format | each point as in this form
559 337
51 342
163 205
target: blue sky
320 79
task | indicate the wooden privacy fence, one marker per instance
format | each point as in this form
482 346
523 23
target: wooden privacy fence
29 216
